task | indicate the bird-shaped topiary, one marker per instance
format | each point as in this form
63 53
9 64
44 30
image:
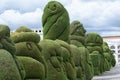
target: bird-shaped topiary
10 67
55 21
26 43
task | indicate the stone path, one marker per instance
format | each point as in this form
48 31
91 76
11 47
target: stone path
113 74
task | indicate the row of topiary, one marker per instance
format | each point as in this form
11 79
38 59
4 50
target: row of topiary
65 53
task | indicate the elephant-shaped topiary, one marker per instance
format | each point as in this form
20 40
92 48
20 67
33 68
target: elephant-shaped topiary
93 42
10 68
26 43
55 21
77 38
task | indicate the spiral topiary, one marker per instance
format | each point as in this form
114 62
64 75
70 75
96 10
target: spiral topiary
55 21
26 43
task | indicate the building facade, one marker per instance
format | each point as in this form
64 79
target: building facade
114 45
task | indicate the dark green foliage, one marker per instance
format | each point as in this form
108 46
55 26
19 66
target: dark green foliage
68 62
93 42
33 68
108 55
93 39
52 52
8 67
55 21
77 33
77 58
23 29
95 57
87 65
25 36
76 28
4 31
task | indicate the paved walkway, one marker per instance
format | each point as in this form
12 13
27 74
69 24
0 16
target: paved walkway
113 74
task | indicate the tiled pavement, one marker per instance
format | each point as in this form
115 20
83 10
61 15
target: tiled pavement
113 74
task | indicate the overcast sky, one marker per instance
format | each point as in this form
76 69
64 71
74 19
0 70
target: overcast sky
101 16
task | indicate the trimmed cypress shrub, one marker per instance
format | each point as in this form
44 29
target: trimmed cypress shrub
93 42
77 33
8 68
8 45
26 45
25 36
79 63
68 62
4 31
23 29
55 21
77 38
33 68
52 52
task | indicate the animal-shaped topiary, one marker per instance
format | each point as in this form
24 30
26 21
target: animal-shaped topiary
55 21
26 45
10 68
77 33
52 52
108 55
77 38
93 42
68 62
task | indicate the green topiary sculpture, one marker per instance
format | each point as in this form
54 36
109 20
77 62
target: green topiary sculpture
55 21
77 38
68 62
26 45
108 55
77 33
93 42
10 68
52 52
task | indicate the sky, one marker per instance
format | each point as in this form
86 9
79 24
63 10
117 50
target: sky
100 16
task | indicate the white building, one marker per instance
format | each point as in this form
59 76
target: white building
114 45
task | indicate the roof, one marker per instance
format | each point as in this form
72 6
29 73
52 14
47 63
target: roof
111 37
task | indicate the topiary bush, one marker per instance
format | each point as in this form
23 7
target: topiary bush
33 68
26 43
77 38
68 62
77 33
93 42
55 21
108 55
9 51
52 52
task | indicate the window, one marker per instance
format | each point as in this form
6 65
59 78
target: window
112 47
119 47
118 51
113 51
